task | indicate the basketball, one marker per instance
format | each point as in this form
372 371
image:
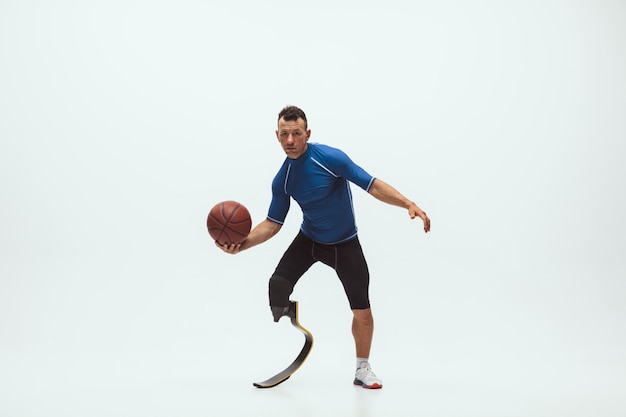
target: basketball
229 222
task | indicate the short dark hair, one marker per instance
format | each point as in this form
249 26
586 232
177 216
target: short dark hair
291 114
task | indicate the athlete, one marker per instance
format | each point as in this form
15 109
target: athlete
317 177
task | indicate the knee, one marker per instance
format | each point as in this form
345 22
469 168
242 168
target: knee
363 317
279 291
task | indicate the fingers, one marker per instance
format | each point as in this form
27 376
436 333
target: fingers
233 248
422 215
426 223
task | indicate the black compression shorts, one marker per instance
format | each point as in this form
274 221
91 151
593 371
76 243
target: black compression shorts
345 258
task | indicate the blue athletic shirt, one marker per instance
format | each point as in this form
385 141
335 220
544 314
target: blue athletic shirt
318 181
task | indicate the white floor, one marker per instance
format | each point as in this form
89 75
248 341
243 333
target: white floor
179 354
139 384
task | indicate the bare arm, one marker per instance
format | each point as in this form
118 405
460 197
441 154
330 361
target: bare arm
386 193
261 233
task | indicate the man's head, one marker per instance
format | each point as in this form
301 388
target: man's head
292 114
293 132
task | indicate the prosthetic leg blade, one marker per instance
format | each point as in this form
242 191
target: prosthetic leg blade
295 365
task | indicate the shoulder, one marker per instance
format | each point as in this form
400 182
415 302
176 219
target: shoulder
328 152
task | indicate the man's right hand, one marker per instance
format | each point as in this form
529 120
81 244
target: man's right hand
233 248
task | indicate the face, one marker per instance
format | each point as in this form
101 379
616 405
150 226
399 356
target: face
293 137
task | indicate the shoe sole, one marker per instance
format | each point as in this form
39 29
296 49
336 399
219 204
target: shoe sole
373 386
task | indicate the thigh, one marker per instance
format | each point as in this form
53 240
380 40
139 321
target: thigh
354 274
296 260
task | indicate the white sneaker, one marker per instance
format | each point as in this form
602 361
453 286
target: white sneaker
366 378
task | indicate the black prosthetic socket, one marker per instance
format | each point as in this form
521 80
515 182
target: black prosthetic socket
278 312
289 311
279 291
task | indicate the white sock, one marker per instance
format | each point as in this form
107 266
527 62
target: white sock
360 361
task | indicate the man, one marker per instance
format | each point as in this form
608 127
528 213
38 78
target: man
316 176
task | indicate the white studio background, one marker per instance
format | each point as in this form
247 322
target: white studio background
123 122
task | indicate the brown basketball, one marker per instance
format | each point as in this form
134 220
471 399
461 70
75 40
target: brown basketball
229 222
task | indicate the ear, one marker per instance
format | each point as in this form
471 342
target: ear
277 136
308 134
